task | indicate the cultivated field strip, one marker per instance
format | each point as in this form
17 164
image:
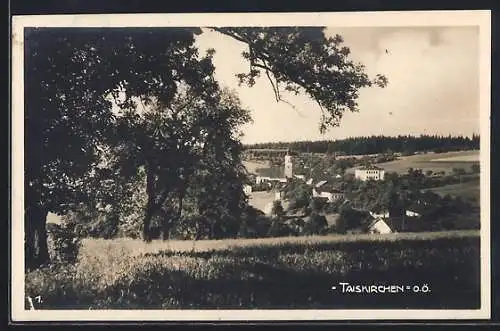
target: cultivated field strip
138 247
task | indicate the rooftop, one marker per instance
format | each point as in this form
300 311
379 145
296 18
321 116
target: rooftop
369 167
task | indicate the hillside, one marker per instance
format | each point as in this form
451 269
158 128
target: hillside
435 162
468 190
377 144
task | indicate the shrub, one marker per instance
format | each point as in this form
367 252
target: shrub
63 242
316 224
279 228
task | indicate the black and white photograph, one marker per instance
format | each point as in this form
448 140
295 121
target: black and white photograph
284 166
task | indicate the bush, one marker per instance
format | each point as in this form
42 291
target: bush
316 224
253 224
63 242
279 229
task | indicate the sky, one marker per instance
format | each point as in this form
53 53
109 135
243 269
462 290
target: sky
433 85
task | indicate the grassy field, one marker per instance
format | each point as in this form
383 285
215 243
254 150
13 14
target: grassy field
128 247
468 190
266 273
264 200
431 161
254 166
261 200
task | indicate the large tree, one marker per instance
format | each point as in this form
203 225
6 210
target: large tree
72 76
181 145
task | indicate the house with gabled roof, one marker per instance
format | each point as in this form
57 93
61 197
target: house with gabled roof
327 190
378 225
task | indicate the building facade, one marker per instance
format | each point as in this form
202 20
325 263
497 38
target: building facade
369 173
330 196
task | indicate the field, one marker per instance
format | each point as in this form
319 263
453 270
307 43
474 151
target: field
296 272
254 166
468 190
261 200
431 161
131 247
459 158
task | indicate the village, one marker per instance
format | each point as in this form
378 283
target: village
273 189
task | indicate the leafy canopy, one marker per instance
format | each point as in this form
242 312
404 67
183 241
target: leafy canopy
302 59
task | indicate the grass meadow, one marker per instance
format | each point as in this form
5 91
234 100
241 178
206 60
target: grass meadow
286 273
431 161
467 190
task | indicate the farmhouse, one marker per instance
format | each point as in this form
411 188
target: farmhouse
327 191
379 226
331 196
369 173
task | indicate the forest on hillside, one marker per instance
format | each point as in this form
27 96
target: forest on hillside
406 144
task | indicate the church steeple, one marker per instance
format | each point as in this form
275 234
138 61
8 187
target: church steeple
288 164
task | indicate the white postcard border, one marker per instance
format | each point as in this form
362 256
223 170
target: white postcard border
480 18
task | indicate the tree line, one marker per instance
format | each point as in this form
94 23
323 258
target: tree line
379 144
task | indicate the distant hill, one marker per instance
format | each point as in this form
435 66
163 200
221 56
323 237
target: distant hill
378 144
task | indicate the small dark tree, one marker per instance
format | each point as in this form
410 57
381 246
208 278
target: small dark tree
316 224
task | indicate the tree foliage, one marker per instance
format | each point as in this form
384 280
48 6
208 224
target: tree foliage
303 59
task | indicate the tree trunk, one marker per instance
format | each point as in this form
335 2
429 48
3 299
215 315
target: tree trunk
146 222
29 240
150 207
167 223
37 253
165 234
43 257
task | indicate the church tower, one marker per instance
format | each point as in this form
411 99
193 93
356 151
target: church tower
288 166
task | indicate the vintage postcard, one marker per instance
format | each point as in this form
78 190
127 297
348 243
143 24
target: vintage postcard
251 167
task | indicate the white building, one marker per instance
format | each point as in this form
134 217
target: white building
411 213
331 196
369 173
384 214
263 179
247 189
288 174
379 226
301 177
